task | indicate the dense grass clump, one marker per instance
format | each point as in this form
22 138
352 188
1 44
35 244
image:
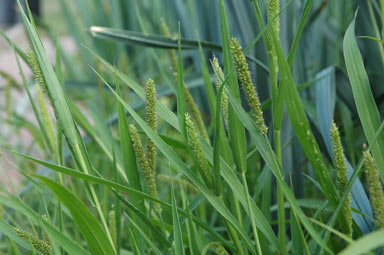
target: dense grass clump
263 137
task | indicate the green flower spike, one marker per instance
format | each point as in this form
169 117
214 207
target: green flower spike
375 188
219 74
147 171
247 84
196 148
150 96
37 244
341 174
38 76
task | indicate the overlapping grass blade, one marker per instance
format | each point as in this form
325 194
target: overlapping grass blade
364 245
55 234
271 160
236 129
365 103
88 225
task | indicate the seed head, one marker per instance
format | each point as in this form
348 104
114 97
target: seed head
36 70
149 175
375 188
341 174
247 84
37 244
196 148
219 74
150 96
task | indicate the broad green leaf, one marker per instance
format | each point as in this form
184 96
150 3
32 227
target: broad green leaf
88 225
365 103
236 129
365 244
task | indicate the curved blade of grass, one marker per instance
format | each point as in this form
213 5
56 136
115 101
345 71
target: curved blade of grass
365 244
55 234
88 225
157 41
365 103
129 158
272 161
325 104
236 129
179 249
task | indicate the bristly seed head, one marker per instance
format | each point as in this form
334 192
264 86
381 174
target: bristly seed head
219 74
149 175
196 148
37 244
150 96
341 174
36 70
247 84
375 188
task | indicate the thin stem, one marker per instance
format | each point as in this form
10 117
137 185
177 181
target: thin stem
233 233
246 193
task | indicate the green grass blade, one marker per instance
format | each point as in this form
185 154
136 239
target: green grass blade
88 225
129 158
55 234
179 248
236 129
365 103
271 160
364 245
181 104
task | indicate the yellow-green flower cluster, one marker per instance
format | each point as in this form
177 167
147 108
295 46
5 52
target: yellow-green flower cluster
37 244
40 97
247 84
341 174
149 175
196 147
36 70
150 96
375 189
273 11
219 74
